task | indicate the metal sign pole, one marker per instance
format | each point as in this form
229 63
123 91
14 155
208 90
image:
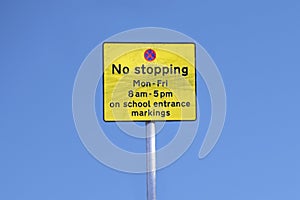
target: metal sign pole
151 160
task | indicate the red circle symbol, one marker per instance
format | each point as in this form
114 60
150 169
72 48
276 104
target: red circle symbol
150 55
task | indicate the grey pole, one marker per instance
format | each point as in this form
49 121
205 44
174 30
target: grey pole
151 160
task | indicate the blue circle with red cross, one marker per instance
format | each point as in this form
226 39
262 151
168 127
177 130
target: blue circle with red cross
149 55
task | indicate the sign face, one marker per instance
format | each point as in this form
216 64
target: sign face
149 81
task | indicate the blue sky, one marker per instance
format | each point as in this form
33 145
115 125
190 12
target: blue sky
255 45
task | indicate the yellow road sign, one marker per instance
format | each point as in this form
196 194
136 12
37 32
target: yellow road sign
149 81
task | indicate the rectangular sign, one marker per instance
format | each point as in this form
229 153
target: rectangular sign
149 81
